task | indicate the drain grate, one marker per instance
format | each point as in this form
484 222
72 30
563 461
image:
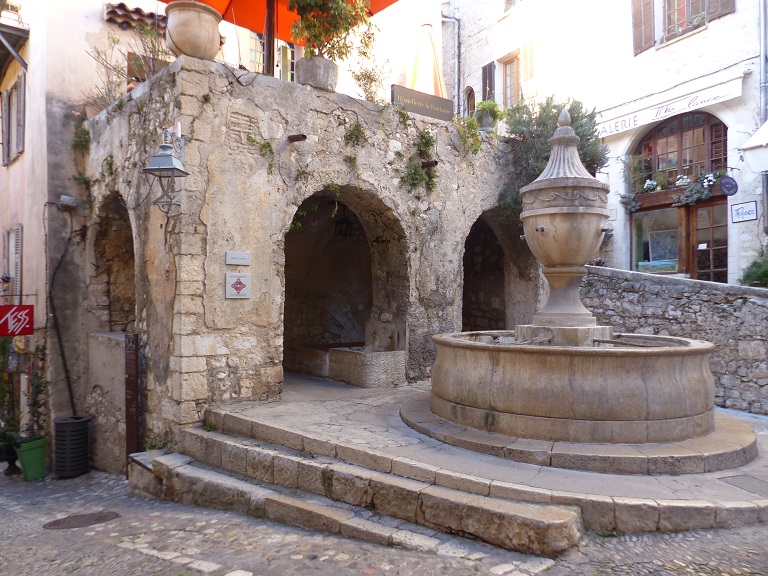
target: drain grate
748 483
81 520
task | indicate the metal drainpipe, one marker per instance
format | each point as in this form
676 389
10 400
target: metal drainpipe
763 103
457 42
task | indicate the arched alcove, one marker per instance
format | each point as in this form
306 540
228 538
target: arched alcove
346 282
483 306
114 277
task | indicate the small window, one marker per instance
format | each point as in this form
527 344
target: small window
511 82
256 52
12 120
469 102
681 16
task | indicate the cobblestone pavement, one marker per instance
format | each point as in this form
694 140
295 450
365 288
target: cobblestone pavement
160 538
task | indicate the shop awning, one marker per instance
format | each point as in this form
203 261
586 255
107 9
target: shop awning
11 41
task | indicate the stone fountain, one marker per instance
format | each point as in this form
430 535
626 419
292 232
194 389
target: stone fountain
564 391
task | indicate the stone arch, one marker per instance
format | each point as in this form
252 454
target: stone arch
346 278
502 284
113 281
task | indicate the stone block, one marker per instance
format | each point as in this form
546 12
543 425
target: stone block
351 486
315 477
259 464
442 508
361 529
277 436
597 512
675 515
212 456
395 496
234 457
286 470
193 364
734 514
636 514
193 386
367 458
509 491
365 368
192 443
320 447
413 541
526 528
463 482
285 509
415 470
237 425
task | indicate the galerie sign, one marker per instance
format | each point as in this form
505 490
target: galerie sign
17 320
608 125
421 103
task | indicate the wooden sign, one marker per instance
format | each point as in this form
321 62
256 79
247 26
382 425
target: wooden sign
421 103
17 320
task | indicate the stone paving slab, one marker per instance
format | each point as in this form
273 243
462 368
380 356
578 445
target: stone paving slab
374 435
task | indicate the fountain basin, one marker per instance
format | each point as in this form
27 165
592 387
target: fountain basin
647 389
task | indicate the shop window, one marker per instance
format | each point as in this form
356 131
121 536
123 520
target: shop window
669 237
12 120
256 52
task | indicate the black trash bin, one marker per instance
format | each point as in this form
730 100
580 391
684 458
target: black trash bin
71 452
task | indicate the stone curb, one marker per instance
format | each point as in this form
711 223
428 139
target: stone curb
541 529
598 512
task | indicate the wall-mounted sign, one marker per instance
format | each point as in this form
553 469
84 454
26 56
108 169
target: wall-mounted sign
238 285
421 103
744 212
664 105
17 320
238 258
728 185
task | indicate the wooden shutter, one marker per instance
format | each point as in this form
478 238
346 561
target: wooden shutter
489 81
642 25
717 8
21 97
5 112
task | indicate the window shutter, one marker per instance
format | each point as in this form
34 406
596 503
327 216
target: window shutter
717 8
5 112
642 25
21 97
489 84
6 236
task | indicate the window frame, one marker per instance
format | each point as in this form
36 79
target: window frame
12 117
715 133
514 64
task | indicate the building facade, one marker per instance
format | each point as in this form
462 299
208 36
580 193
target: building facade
676 87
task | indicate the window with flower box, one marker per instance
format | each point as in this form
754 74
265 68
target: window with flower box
679 214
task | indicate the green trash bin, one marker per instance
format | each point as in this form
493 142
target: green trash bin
32 458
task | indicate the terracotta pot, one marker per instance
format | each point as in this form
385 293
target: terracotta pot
317 72
193 29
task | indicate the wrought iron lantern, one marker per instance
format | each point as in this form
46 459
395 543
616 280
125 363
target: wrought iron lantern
165 167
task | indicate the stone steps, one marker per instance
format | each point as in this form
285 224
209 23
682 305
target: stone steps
544 530
179 478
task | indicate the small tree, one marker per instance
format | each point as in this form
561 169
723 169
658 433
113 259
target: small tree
327 27
530 126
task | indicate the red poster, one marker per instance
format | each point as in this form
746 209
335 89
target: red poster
17 320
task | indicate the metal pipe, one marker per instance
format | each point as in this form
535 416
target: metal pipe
457 43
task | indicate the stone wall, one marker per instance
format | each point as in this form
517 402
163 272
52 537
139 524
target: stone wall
246 183
734 318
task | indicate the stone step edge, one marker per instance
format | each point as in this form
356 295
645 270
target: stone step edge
733 444
176 478
598 512
540 529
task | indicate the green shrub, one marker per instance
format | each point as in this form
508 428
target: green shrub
757 272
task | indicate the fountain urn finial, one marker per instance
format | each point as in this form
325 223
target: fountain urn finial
564 215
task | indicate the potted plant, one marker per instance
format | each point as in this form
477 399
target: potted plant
31 445
487 113
326 28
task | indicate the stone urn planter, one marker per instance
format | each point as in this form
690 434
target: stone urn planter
193 29
564 214
485 120
317 72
